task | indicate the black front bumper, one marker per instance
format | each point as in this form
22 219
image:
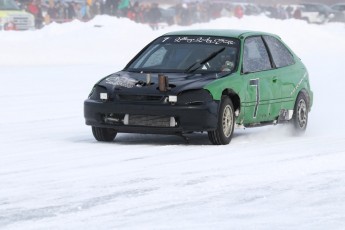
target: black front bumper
189 118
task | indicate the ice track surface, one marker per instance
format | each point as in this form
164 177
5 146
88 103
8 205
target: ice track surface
54 175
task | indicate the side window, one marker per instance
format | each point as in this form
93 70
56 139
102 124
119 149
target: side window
280 54
255 56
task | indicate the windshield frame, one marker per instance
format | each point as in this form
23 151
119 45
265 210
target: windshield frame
217 41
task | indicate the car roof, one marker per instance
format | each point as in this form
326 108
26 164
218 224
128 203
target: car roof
219 32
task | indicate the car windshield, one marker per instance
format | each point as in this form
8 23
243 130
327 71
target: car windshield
8 5
188 54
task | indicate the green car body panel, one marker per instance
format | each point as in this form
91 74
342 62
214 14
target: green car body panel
278 88
203 80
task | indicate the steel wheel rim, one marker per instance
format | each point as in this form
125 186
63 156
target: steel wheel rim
227 121
302 113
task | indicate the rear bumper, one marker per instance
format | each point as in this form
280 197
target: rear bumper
189 118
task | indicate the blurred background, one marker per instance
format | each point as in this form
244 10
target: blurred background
35 14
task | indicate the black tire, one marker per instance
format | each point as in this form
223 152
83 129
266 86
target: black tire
300 114
226 122
103 134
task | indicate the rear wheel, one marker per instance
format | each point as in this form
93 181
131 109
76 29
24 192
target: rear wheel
226 122
300 117
103 134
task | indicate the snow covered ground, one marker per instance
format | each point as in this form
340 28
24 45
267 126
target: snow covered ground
54 175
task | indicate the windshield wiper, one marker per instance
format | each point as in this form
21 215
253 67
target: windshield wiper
205 60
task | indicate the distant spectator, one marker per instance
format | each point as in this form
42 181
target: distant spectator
35 9
123 7
297 14
238 11
96 8
204 11
153 16
184 15
88 10
227 12
52 12
281 12
289 11
143 11
111 7
71 14
133 12
83 12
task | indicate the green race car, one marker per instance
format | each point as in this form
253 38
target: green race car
203 80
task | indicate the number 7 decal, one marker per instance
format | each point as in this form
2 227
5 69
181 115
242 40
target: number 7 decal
255 82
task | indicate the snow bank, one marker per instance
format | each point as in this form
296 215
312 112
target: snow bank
109 40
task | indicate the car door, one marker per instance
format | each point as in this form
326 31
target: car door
262 89
287 74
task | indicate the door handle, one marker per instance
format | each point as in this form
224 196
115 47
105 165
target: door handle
254 82
274 80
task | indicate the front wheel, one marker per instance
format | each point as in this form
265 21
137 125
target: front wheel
226 122
300 117
103 134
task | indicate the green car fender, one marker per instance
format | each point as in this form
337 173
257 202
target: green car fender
303 86
232 86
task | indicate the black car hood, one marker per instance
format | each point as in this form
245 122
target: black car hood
135 83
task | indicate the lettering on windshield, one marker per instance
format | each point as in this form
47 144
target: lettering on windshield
208 40
205 40
164 39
